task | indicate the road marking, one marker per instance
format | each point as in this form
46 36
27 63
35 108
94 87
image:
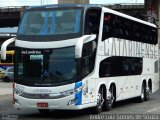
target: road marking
152 110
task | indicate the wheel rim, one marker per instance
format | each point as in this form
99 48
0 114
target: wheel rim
100 99
111 97
142 94
147 92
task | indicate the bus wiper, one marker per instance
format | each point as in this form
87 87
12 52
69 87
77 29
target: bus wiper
68 80
59 73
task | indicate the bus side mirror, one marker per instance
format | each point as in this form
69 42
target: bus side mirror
4 47
80 42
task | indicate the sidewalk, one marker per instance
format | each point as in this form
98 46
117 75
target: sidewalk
5 88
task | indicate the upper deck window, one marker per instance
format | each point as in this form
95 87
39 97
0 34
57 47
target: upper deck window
50 23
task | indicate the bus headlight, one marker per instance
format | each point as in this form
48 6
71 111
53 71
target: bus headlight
18 90
71 92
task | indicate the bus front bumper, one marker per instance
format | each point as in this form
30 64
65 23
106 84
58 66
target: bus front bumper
66 103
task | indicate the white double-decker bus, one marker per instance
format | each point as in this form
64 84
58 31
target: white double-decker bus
82 56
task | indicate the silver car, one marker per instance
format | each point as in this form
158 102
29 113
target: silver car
8 74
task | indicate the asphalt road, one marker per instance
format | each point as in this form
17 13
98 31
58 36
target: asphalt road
127 108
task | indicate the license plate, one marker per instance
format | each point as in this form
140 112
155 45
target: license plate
42 105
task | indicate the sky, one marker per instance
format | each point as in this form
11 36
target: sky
26 2
40 2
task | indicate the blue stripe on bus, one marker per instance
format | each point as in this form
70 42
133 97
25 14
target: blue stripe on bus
78 95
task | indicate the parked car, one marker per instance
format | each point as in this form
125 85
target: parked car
1 73
8 74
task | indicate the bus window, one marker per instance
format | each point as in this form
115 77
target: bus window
88 58
124 66
92 21
49 22
107 26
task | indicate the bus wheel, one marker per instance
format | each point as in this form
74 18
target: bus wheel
6 79
43 110
141 97
109 99
146 93
100 100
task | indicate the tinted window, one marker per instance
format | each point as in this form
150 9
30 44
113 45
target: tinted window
119 27
120 66
92 21
88 58
50 24
54 66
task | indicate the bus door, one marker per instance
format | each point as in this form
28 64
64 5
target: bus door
91 26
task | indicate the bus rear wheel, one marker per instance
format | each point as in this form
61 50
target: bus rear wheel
146 93
109 101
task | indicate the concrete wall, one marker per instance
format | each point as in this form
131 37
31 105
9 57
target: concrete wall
74 1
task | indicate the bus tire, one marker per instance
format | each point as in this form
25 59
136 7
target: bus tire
100 100
141 97
6 79
146 94
108 103
43 110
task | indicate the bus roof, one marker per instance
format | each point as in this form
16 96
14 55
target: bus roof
87 6
64 5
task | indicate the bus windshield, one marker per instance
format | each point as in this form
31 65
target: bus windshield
47 67
50 22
